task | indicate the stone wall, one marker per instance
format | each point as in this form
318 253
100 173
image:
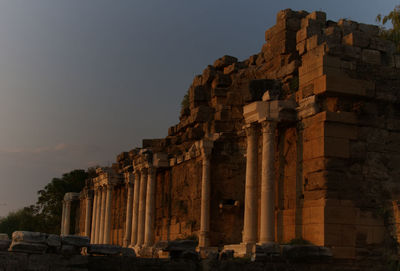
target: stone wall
337 156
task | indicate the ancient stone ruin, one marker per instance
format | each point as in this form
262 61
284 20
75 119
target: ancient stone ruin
298 143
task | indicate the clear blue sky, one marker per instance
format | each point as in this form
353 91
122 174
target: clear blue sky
81 81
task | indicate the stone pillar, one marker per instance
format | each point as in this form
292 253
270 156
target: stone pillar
142 207
150 207
98 215
267 223
88 215
102 214
250 205
62 218
107 217
128 224
94 217
67 217
204 238
135 212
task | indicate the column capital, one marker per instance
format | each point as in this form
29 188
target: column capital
206 147
268 126
251 129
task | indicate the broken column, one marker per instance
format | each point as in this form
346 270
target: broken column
68 199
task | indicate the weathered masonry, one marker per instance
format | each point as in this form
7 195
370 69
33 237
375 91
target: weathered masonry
300 141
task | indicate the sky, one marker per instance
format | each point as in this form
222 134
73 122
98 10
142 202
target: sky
82 81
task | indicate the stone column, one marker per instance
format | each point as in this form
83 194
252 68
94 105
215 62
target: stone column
267 223
88 215
150 207
128 224
67 217
98 215
250 205
107 217
62 218
94 217
142 207
204 238
102 214
135 212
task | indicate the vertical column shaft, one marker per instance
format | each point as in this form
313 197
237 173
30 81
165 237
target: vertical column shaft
250 205
135 211
88 215
142 207
102 214
62 218
107 217
267 223
150 207
128 224
98 215
94 217
67 217
205 200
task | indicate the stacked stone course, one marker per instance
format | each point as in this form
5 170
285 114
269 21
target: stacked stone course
300 141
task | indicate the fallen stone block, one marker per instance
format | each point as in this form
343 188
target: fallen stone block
4 236
226 255
4 245
104 249
181 245
74 240
70 250
53 240
26 247
29 237
128 252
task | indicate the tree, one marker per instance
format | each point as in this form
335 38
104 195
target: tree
393 33
24 219
49 204
45 215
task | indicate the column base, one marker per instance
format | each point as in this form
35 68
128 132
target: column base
241 250
205 251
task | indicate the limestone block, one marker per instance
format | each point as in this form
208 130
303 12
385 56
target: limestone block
343 85
301 47
347 26
4 237
307 32
224 61
208 75
4 245
104 249
326 147
315 59
313 215
318 16
197 81
75 240
53 240
369 29
28 247
371 56
357 39
29 237
314 233
201 114
340 214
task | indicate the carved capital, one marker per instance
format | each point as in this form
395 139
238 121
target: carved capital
251 129
268 127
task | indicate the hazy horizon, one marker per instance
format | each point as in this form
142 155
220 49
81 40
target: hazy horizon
82 81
